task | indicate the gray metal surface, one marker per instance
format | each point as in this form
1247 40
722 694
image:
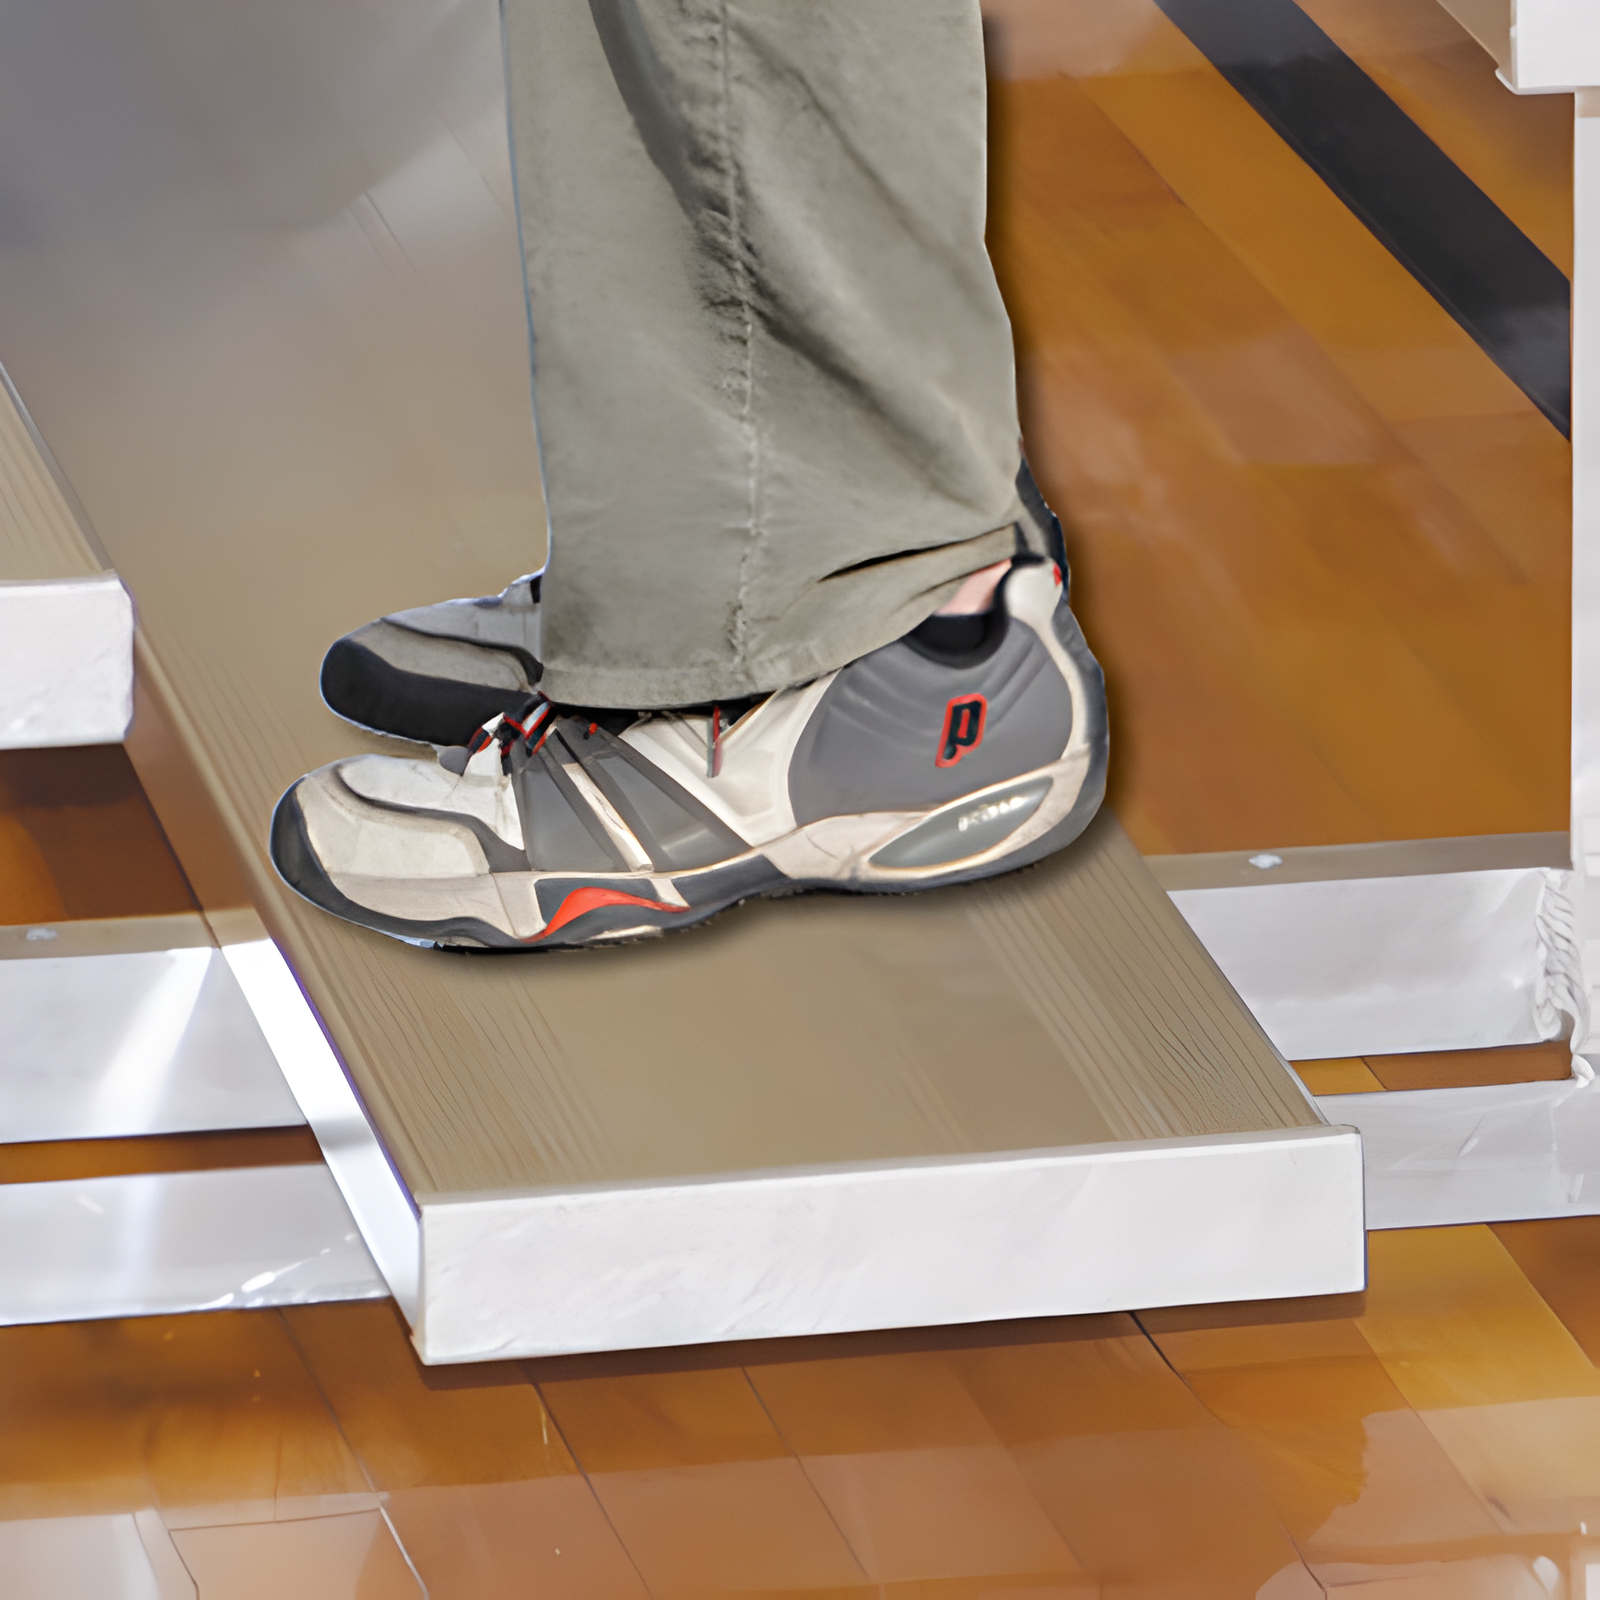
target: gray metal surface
260 289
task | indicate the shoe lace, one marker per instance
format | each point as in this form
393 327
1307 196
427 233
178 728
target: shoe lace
532 725
714 733
536 720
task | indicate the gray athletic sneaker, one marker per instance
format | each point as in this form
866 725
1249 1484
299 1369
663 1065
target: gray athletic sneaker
438 673
933 760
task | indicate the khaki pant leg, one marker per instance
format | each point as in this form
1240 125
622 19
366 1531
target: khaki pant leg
772 372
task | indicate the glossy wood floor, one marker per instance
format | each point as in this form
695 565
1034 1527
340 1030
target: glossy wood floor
1321 544
1438 1438
1319 540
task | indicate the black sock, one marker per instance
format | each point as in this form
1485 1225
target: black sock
959 641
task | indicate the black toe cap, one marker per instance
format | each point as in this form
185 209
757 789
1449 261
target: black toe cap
364 688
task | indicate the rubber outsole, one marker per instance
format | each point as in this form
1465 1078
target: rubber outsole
708 893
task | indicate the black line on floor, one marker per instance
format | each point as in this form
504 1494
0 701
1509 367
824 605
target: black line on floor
1452 238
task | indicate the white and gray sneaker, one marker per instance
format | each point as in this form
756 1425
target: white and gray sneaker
437 673
967 748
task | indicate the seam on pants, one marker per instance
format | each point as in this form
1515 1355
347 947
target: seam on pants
741 278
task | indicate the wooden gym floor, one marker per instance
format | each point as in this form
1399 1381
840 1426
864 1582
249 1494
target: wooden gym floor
1319 540
1321 544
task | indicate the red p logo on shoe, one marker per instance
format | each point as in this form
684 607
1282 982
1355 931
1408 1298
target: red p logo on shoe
963 728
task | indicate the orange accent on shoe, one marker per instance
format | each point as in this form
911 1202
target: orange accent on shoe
714 753
590 898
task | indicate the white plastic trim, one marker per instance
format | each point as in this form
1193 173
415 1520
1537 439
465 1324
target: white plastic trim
1555 45
761 1255
168 1045
178 1241
373 1191
1373 966
1586 545
1494 1153
66 662
108 1556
